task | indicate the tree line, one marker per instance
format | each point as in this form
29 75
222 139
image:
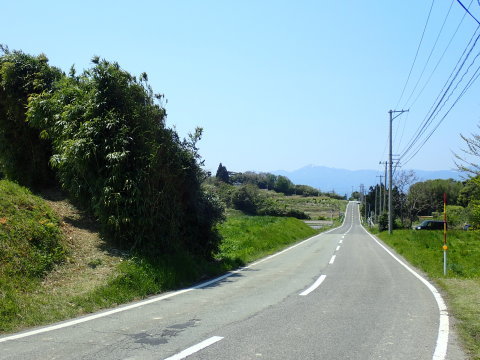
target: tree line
245 191
412 199
268 181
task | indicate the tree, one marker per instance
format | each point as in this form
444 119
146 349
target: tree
24 154
471 193
222 174
284 185
248 199
403 181
426 197
355 196
468 166
113 153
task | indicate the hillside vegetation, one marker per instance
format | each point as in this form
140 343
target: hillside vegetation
102 134
55 265
30 246
147 217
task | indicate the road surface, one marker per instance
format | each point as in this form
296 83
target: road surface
338 295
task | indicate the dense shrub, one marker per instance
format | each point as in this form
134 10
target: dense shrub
383 222
457 216
104 134
23 154
247 198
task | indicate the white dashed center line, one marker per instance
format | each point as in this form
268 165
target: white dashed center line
332 259
195 348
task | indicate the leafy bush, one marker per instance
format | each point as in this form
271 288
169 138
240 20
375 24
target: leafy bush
457 216
247 198
474 213
383 222
284 185
23 155
105 134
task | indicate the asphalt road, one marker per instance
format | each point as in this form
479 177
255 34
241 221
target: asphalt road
338 295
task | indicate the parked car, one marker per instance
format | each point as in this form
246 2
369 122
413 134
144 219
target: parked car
430 225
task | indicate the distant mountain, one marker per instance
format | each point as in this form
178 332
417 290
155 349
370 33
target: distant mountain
342 181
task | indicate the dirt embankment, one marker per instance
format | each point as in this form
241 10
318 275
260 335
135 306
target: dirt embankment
90 261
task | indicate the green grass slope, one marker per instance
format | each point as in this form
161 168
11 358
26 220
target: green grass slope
30 246
247 238
423 249
51 271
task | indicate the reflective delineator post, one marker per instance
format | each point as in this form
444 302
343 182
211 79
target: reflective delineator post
445 234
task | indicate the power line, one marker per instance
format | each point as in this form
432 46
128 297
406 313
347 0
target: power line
462 93
430 55
438 62
441 57
416 54
468 11
477 73
449 88
439 101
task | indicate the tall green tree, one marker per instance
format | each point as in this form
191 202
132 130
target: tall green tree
468 164
284 185
222 174
426 197
113 153
24 154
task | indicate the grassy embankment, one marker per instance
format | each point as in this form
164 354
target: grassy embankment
423 249
56 267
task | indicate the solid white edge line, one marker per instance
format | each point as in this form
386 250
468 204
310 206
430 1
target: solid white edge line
195 348
443 329
315 285
332 259
80 320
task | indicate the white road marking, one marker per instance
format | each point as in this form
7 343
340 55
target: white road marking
153 299
443 329
315 285
195 348
341 241
332 259
338 248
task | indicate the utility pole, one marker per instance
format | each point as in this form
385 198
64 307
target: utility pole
385 189
390 162
362 198
380 195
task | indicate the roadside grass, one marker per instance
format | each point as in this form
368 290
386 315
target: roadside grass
423 249
30 247
84 274
247 238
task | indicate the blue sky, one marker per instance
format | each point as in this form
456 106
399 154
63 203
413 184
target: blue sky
275 84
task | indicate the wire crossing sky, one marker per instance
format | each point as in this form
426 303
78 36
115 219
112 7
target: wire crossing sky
282 84
414 147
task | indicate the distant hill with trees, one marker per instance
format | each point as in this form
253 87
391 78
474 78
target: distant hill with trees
341 181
